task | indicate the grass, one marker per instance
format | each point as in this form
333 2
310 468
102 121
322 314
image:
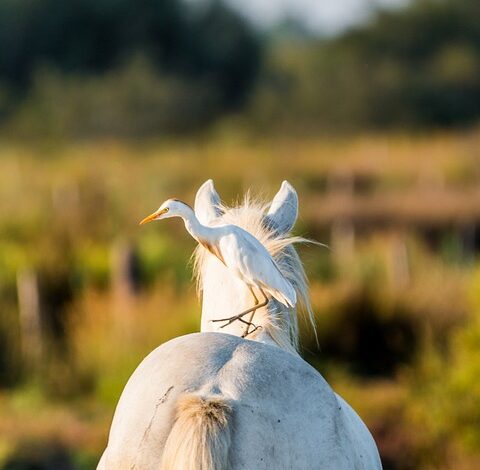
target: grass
393 304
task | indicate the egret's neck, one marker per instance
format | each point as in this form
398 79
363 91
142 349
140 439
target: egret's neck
194 227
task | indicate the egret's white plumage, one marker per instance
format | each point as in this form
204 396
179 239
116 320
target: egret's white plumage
250 260
239 251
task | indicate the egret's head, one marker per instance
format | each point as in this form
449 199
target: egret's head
170 208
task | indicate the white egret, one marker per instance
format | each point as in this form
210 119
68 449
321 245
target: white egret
240 252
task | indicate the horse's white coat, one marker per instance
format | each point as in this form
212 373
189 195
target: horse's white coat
283 211
285 415
207 203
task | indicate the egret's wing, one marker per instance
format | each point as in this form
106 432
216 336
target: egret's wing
243 252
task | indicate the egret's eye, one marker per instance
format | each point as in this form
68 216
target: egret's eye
166 209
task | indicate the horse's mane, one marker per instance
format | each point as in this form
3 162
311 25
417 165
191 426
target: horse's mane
281 323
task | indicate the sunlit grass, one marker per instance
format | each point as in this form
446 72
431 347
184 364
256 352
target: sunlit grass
69 209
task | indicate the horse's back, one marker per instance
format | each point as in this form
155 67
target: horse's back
284 414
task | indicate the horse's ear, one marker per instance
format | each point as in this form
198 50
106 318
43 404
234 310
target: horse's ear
207 203
283 211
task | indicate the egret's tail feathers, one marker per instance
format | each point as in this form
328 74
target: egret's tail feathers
201 435
289 298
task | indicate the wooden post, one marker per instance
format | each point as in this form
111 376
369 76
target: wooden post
342 239
29 316
124 269
399 262
124 279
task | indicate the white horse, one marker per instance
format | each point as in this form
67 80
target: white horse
214 401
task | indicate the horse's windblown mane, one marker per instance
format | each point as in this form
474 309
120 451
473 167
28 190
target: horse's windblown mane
281 322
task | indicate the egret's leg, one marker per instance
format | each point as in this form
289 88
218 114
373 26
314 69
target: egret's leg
230 320
250 320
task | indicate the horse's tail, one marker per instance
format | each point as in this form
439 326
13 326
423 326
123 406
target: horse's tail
201 435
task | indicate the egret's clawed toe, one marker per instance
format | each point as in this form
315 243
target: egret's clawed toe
230 320
257 327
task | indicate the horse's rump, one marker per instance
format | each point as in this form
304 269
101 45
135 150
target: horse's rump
213 401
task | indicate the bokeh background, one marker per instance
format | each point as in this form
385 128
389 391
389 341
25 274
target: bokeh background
370 108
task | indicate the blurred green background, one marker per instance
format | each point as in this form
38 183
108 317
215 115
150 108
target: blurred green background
371 109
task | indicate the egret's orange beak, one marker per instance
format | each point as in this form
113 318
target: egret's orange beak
153 216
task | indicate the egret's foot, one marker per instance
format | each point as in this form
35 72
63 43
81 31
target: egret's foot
239 318
257 327
230 320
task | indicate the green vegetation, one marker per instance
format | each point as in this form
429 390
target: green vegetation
414 68
397 307
81 58
88 68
